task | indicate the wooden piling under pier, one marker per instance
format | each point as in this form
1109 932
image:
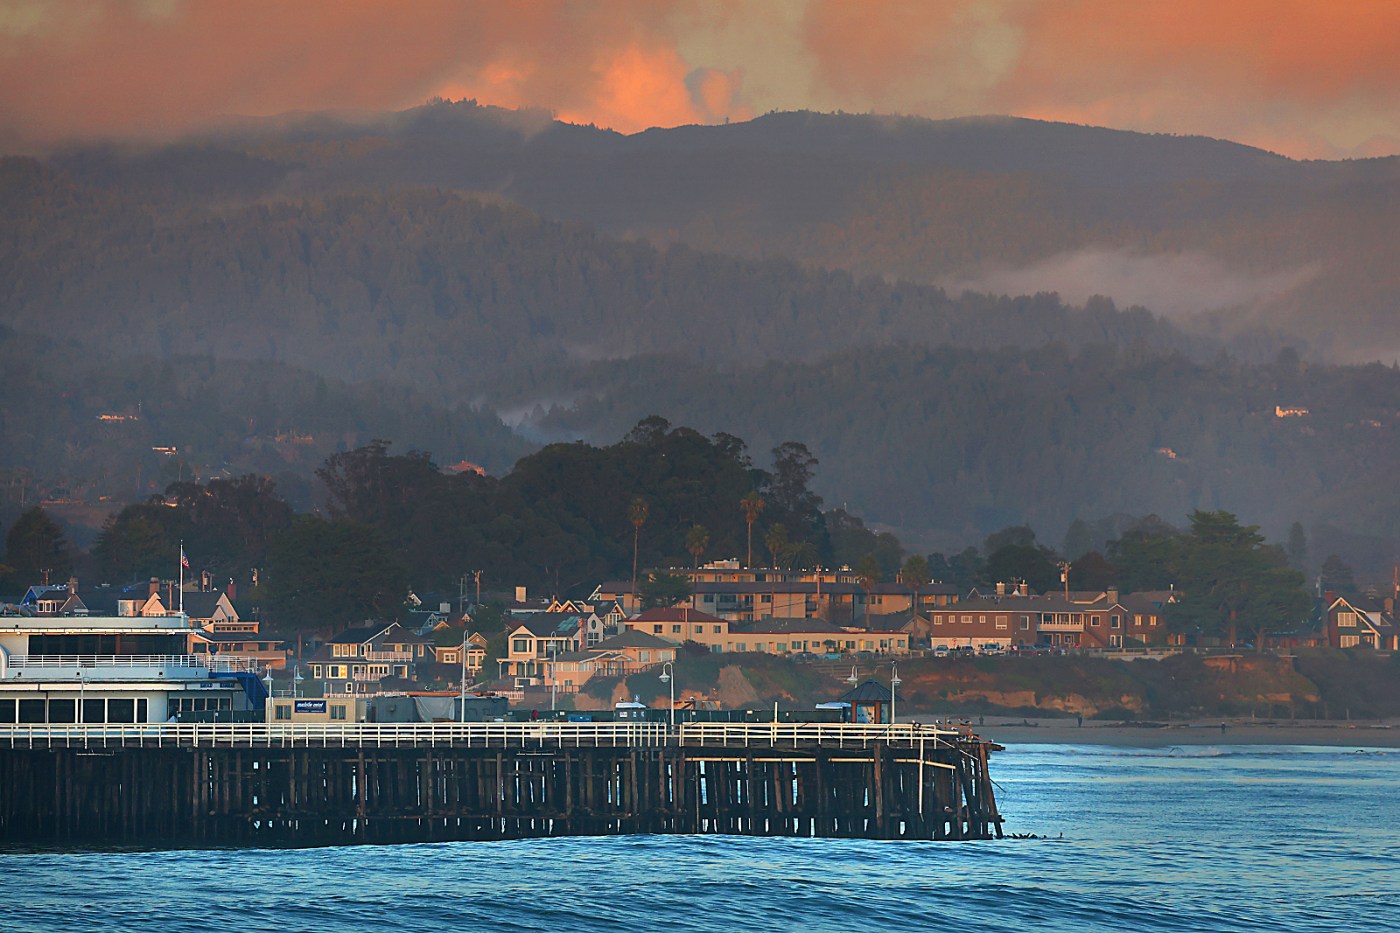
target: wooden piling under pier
332 785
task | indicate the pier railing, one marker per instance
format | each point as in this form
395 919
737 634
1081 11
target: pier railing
542 735
73 664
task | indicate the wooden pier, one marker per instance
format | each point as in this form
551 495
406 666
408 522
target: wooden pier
321 784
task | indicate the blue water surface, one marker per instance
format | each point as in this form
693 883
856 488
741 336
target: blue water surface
1190 838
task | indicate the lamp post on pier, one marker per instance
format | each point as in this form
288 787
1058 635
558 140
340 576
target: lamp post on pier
668 677
553 675
894 683
463 713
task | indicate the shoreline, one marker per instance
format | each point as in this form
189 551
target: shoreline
1335 734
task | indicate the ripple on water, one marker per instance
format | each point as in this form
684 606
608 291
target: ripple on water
1232 838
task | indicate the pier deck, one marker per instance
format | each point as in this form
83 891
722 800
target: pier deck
324 784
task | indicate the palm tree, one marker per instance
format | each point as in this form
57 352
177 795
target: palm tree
696 540
778 546
868 573
752 504
637 515
915 574
777 543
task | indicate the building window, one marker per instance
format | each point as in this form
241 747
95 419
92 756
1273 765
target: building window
1094 621
675 630
338 711
656 628
1346 620
1001 621
282 711
719 629
1115 621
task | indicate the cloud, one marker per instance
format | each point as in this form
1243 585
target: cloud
1174 285
1305 77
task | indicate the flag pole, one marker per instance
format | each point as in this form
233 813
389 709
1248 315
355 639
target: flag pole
182 575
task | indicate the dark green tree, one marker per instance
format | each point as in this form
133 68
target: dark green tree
1338 577
1297 546
1232 580
1092 571
36 549
323 576
1016 562
696 540
867 575
137 543
664 590
752 505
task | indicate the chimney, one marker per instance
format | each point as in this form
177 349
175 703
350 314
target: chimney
72 586
232 589
1001 589
520 594
1112 595
155 586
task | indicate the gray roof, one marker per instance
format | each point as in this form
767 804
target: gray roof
632 638
872 691
781 626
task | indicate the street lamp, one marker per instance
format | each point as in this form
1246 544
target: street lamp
894 682
463 714
853 679
296 681
668 677
553 674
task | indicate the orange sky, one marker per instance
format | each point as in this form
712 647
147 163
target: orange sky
1306 78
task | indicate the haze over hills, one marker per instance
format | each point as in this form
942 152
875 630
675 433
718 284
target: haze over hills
1181 225
797 277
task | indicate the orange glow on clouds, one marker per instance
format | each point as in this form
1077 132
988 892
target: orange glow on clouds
1305 77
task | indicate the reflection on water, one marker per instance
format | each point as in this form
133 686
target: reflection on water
1188 838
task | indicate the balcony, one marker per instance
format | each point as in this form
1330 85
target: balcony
95 667
388 655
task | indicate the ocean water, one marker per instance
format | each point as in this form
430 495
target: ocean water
1189 838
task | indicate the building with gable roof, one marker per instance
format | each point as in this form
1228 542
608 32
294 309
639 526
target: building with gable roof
357 659
1362 622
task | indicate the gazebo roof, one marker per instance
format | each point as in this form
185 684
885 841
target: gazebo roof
872 691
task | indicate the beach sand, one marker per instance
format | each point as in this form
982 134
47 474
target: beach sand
1369 734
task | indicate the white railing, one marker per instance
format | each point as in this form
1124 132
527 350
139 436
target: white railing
830 734
81 662
477 735
322 734
388 656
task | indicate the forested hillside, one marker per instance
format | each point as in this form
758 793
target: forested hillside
268 295
948 445
187 418
1181 224
453 296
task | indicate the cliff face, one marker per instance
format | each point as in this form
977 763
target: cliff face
1315 685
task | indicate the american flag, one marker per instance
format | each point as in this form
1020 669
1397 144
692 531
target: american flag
184 561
